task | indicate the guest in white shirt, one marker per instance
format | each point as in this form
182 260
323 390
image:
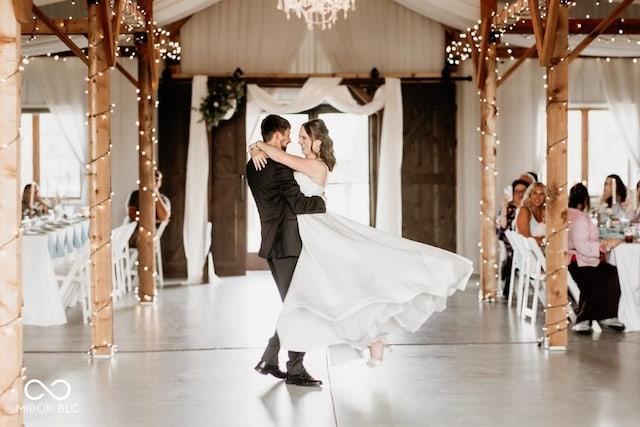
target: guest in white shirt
530 221
597 280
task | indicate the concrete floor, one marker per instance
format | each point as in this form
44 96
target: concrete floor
188 361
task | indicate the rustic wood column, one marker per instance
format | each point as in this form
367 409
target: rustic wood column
556 212
488 111
11 370
100 184
146 161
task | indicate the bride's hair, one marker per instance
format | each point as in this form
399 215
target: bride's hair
316 129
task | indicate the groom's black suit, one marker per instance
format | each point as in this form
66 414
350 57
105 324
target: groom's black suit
279 199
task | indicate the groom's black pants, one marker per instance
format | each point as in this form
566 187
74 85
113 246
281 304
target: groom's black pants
282 272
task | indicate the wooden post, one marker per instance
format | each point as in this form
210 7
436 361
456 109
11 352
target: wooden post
146 163
556 211
100 185
488 111
11 370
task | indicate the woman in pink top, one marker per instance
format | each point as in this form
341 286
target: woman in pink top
598 281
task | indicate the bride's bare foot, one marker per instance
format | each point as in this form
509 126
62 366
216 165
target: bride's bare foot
376 352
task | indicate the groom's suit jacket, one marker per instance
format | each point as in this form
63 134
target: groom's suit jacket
279 199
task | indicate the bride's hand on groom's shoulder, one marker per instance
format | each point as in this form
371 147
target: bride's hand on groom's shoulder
258 157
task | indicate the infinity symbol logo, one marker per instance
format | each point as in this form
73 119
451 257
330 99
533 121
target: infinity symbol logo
47 389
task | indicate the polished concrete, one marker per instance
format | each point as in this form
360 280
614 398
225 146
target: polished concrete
188 361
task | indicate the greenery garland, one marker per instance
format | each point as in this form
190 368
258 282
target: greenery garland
224 97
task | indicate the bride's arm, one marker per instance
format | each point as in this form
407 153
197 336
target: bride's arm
313 168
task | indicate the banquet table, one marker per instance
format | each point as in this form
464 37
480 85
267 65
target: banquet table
626 257
42 302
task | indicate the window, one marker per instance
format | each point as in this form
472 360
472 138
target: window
591 129
348 189
54 167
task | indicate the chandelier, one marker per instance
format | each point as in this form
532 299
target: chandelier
320 13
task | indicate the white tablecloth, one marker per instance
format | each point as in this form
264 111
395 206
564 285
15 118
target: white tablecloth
626 257
40 292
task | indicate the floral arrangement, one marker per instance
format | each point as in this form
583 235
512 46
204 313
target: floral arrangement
223 99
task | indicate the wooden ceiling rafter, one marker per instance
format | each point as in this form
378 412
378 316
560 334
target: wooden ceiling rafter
549 40
538 31
104 9
598 30
488 10
22 10
63 37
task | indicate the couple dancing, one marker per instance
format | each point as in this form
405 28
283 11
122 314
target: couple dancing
343 284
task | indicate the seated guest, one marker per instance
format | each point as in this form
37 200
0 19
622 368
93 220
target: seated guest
597 280
530 220
32 203
618 207
636 205
163 207
505 219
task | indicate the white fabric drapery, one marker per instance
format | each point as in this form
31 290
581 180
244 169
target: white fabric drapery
195 198
621 84
389 96
63 88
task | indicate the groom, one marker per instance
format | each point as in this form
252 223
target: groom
279 199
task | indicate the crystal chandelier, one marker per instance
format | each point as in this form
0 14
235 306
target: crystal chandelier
320 13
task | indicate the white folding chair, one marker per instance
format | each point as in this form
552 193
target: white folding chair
133 257
73 281
536 280
159 231
519 266
120 258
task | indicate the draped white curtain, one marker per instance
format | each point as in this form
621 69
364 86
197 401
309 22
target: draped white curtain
63 86
380 34
195 199
621 84
389 96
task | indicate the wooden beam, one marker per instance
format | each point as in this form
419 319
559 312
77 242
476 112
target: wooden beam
481 66
506 15
22 10
488 148
538 31
557 96
585 26
11 331
99 120
550 31
71 45
110 44
146 162
598 30
70 27
529 52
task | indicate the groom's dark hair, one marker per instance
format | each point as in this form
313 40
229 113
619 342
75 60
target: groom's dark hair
272 124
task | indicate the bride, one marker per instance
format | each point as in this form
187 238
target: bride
353 284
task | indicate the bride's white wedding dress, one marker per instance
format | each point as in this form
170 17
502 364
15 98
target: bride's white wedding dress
354 283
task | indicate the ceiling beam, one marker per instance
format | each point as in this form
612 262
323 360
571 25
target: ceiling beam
22 10
508 14
585 26
598 30
549 41
63 37
538 31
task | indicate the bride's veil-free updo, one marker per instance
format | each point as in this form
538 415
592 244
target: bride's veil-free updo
316 129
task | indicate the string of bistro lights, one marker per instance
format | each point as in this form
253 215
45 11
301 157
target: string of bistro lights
458 51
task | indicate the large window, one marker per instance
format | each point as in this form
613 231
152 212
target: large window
348 189
47 159
595 150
